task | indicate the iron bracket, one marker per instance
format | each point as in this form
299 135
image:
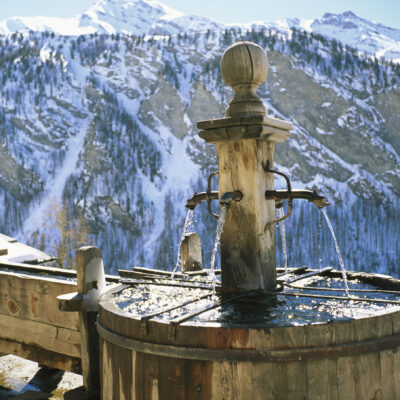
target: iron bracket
267 169
209 194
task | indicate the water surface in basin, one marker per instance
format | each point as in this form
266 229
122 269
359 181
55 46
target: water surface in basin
268 311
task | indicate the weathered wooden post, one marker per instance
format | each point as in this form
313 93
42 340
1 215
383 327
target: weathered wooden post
91 283
245 141
191 259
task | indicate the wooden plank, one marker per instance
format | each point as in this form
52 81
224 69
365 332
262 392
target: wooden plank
396 371
321 373
387 374
42 272
114 371
244 120
270 134
245 380
319 335
150 380
125 374
368 376
322 380
44 357
70 302
225 383
198 380
270 381
171 378
288 337
139 374
38 270
346 376
133 376
296 380
367 366
296 374
35 298
44 336
106 367
385 328
308 275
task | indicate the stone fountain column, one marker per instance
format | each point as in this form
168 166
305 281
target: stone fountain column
245 141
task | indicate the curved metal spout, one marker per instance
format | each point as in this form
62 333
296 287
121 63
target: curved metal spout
310 195
197 198
226 198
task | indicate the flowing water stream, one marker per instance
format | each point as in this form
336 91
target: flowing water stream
186 227
319 241
280 213
341 263
220 227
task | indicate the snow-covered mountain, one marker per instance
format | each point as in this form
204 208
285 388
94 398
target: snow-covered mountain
151 17
106 123
138 17
367 36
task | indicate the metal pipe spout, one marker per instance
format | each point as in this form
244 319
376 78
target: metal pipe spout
197 198
310 195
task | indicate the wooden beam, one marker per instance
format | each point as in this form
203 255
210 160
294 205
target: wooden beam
44 357
40 335
70 302
35 298
37 269
244 120
269 133
191 259
91 282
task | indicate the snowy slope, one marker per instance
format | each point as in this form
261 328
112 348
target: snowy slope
366 36
107 124
139 17
151 17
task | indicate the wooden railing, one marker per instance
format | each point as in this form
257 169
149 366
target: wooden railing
48 315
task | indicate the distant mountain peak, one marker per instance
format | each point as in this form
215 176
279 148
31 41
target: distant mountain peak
367 36
137 17
152 17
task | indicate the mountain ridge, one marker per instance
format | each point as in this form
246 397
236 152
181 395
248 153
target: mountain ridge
106 123
152 17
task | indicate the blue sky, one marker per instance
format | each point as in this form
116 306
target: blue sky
384 11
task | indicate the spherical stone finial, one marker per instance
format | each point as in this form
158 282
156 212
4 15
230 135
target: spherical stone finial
244 67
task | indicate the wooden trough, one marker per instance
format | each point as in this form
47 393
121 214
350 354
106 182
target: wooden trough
354 359
36 321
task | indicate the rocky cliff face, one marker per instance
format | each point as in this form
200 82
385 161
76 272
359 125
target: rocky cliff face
107 124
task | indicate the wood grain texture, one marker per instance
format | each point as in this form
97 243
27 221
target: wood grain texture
35 298
368 376
268 133
244 66
191 256
48 358
247 252
244 120
40 335
356 373
198 375
296 373
321 379
91 280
